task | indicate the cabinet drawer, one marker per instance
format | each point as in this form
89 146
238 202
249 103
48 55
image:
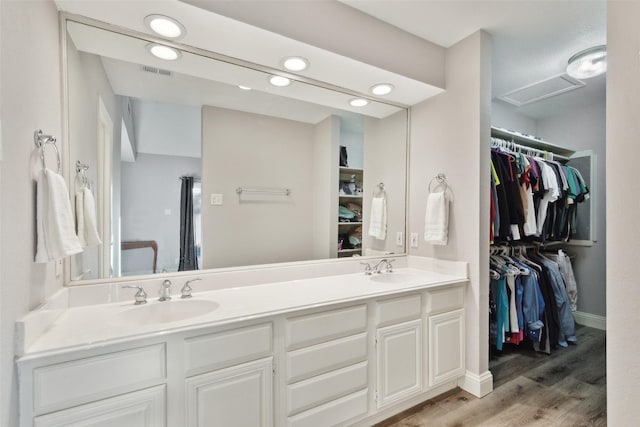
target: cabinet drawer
324 388
145 408
398 310
332 413
319 327
442 300
85 380
325 357
220 350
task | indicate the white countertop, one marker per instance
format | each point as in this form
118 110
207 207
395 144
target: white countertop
97 325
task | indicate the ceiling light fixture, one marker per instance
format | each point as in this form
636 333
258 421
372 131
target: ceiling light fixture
165 26
295 63
279 81
382 89
163 52
358 102
588 63
244 87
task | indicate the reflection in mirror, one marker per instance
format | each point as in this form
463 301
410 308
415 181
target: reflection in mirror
189 171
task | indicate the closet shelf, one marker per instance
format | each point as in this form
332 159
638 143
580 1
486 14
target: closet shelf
349 223
350 170
349 251
530 141
350 196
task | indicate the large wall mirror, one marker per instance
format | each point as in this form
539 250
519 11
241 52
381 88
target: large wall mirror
201 163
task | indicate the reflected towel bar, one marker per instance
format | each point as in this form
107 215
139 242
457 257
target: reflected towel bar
262 190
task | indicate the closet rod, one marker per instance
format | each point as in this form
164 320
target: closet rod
525 149
530 142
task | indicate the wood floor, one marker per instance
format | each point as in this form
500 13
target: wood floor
566 388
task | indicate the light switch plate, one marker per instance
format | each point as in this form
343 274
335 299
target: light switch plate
216 199
414 240
399 239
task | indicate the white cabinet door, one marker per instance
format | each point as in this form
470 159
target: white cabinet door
145 408
399 350
238 396
446 347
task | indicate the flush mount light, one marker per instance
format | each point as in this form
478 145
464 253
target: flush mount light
382 89
163 52
295 63
279 81
244 87
588 63
358 102
165 26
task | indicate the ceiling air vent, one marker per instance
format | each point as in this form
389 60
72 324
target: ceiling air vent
154 70
541 90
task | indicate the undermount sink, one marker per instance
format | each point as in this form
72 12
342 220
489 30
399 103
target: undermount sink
168 311
392 277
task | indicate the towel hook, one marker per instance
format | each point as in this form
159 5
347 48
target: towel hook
41 140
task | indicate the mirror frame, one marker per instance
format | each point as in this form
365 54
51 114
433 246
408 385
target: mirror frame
64 17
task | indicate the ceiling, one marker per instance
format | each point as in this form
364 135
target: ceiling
532 40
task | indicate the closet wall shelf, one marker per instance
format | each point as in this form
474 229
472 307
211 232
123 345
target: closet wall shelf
530 142
350 196
350 223
344 169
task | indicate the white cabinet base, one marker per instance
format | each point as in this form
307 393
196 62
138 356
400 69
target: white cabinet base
446 347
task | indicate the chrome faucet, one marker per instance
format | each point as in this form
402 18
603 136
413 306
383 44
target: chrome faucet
387 263
367 268
141 295
186 289
165 291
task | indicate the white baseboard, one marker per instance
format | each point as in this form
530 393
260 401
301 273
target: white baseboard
590 320
478 385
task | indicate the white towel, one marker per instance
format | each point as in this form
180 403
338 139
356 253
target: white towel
436 220
86 224
54 221
378 222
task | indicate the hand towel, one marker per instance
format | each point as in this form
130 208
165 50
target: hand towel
86 223
54 221
378 222
436 220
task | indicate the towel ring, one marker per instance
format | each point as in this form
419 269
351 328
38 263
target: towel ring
41 140
440 180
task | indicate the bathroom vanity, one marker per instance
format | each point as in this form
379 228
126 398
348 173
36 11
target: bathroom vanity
347 349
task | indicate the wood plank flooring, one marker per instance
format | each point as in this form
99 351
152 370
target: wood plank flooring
566 388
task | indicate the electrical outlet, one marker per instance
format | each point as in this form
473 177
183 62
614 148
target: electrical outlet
58 267
414 240
399 239
216 199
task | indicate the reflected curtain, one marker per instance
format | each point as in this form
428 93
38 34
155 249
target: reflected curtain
188 259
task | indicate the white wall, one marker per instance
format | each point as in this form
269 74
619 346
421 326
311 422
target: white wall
450 133
151 209
623 233
251 150
504 116
584 129
31 97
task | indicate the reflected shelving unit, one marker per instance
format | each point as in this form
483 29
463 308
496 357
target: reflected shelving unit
350 196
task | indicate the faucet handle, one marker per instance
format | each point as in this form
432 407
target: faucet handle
367 268
165 290
389 266
186 289
141 295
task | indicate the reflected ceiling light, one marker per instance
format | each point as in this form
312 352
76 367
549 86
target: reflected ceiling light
165 26
295 63
382 89
588 63
244 87
163 52
358 102
279 81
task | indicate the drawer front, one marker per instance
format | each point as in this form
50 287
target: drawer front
326 357
320 327
324 388
145 408
332 413
85 380
442 300
220 350
397 310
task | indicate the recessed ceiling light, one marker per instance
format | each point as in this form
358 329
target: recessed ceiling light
165 26
358 102
279 81
382 89
163 52
295 63
244 87
588 63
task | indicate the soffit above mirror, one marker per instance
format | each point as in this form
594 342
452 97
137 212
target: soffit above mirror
216 33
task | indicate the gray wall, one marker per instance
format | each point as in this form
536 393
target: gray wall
248 150
151 209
